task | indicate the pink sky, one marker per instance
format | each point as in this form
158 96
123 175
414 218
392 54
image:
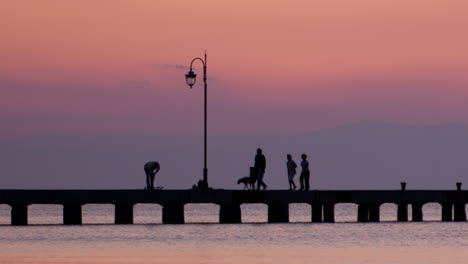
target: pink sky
100 67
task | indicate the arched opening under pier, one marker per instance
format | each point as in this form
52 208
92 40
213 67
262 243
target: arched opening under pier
389 212
300 212
5 214
254 213
45 214
98 213
201 213
432 212
346 212
147 214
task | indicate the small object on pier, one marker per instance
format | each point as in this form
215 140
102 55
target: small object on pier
201 184
459 184
403 186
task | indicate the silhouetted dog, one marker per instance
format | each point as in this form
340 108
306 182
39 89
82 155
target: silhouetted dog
249 182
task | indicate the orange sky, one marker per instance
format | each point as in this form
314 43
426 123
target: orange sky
324 62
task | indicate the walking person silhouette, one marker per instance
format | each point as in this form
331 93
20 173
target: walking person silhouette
151 168
260 165
305 174
291 166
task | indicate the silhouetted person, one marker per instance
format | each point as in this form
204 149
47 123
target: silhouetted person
151 168
260 165
305 174
291 166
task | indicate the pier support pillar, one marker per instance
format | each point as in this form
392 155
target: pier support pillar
173 213
124 213
229 214
402 214
447 212
278 213
363 213
72 214
329 213
417 212
317 212
460 213
374 213
19 214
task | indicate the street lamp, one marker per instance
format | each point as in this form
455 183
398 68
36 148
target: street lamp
191 78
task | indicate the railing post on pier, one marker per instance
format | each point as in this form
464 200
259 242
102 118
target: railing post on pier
329 213
173 213
402 214
417 212
19 214
374 213
230 214
317 212
278 212
403 186
72 214
123 213
363 213
447 212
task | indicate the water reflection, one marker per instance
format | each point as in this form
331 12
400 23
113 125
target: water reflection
147 214
201 213
45 214
254 213
98 213
300 212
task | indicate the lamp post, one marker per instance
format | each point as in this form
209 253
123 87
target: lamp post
190 78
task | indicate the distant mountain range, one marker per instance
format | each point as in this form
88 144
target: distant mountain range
368 155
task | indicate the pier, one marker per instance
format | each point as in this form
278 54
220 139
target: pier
322 203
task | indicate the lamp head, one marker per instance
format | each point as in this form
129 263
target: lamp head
190 78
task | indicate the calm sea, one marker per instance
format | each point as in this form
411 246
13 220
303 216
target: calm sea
148 241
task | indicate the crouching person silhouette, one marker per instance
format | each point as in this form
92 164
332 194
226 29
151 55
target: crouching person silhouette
151 168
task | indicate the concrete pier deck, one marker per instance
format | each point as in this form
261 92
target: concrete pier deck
172 201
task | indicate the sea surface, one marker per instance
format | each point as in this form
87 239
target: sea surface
45 240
